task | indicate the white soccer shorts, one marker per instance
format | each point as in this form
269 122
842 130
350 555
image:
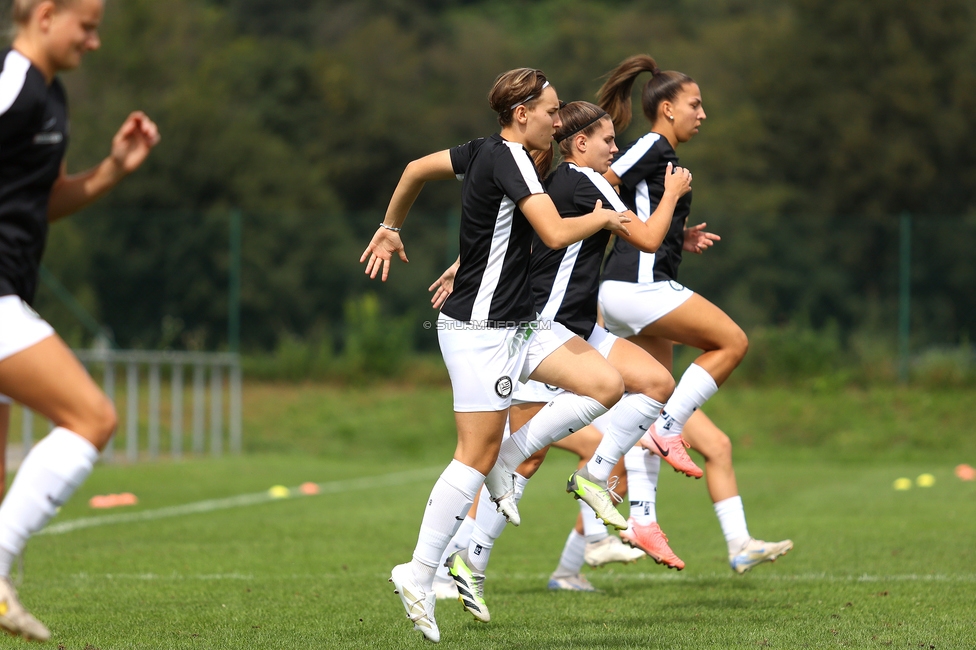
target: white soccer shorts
629 307
485 363
20 326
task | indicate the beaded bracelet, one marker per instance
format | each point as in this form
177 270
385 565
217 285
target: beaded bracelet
390 227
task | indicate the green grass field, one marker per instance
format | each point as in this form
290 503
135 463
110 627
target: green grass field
872 567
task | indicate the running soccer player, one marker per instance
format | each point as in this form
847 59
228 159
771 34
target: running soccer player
36 367
641 300
487 330
565 283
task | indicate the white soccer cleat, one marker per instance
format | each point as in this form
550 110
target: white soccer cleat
445 589
501 486
755 552
15 619
610 549
418 604
599 496
576 582
470 585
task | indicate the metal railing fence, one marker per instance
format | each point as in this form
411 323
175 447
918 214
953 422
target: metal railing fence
215 391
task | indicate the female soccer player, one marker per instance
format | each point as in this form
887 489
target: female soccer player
641 299
564 285
36 367
487 329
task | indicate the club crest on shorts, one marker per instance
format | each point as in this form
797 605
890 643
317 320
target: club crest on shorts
503 386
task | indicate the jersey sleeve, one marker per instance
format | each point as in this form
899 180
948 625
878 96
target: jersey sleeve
515 174
14 86
639 162
461 156
592 188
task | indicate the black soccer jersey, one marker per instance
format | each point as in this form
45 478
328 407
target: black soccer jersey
33 138
641 167
491 284
565 283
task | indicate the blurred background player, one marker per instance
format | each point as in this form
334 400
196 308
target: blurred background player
641 299
37 369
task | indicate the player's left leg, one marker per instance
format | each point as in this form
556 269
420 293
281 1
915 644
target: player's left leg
712 443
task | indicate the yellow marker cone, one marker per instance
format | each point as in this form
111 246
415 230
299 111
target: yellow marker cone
925 480
279 491
903 484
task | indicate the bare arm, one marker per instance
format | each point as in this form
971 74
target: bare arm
386 242
556 232
130 147
648 235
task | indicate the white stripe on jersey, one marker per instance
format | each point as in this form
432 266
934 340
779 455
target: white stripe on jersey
525 166
12 79
500 236
645 263
635 153
561 282
496 259
606 189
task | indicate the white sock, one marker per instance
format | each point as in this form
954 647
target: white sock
629 419
732 517
460 541
642 474
49 475
571 561
694 389
594 530
565 414
489 526
447 507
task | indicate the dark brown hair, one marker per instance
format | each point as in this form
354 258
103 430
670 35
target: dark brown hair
614 96
515 88
576 118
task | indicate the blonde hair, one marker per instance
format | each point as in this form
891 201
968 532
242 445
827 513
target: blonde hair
22 10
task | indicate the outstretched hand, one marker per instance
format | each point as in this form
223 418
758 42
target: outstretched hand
133 142
443 286
380 252
697 240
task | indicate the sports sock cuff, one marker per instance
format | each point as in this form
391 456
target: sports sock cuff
464 479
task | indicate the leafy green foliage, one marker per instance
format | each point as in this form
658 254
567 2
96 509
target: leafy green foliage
826 121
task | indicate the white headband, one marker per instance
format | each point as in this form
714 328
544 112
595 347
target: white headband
529 98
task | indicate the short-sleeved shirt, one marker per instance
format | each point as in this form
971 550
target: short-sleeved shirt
566 282
33 139
491 284
641 167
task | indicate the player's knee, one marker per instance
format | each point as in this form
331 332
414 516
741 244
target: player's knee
738 344
720 450
607 388
103 421
657 385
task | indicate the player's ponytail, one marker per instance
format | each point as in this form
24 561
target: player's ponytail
614 96
519 87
